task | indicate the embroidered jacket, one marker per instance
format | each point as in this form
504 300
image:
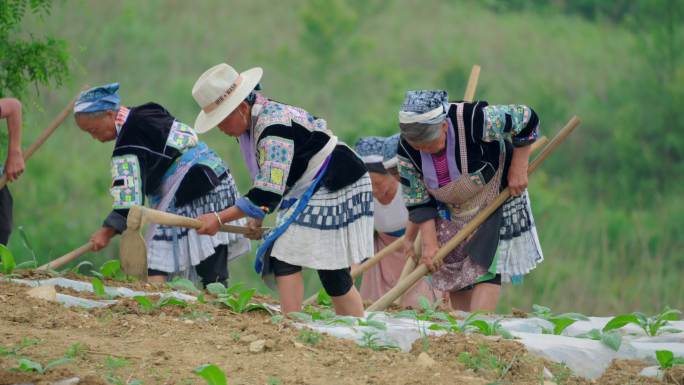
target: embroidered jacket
149 140
486 128
287 138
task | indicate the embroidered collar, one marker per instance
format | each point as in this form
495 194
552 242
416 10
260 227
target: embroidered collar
248 139
120 119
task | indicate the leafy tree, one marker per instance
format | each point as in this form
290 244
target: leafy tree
24 58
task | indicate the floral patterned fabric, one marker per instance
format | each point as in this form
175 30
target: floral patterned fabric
274 160
413 188
182 137
273 113
496 127
126 182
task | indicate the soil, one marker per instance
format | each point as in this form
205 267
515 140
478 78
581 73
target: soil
123 343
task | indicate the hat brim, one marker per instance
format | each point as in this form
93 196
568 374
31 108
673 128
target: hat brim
206 121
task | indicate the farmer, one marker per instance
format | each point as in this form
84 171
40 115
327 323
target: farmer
390 220
320 188
454 159
157 156
10 109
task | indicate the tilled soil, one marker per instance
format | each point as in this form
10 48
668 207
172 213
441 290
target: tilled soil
123 343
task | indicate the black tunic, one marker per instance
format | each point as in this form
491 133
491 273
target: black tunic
145 136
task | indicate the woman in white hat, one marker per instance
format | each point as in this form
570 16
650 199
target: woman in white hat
319 187
454 159
158 157
390 220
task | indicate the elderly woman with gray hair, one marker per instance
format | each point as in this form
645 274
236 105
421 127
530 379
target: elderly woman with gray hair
454 159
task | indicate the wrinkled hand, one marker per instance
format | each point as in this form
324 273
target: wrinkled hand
428 258
101 238
255 227
14 165
210 224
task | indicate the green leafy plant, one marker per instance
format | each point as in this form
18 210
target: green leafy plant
99 288
113 363
274 381
236 298
8 263
370 322
455 326
560 321
77 269
484 360
612 339
370 340
652 326
309 337
428 311
75 350
148 305
472 323
29 246
15 349
111 270
26 365
212 374
323 299
312 313
490 328
666 359
182 284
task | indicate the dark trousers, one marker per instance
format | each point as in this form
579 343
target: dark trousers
212 269
6 204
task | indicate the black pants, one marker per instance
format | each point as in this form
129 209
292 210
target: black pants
213 269
495 281
335 282
6 204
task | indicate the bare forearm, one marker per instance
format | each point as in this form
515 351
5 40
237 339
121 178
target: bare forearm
411 231
11 109
231 214
517 174
429 233
521 156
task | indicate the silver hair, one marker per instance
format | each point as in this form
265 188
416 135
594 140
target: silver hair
420 132
93 114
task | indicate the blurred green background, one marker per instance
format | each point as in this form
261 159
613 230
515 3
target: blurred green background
608 204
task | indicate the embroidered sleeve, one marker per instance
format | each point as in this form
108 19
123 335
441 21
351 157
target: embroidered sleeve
518 122
412 186
181 137
274 157
126 186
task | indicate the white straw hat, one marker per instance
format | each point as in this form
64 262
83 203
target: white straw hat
219 91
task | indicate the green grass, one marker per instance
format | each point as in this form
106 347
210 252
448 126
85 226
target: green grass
606 250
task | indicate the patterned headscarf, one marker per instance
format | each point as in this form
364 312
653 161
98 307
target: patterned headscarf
378 153
424 107
102 98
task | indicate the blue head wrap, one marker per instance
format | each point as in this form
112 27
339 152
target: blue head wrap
378 153
103 98
424 107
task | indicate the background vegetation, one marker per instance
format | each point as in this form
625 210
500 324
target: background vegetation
608 204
